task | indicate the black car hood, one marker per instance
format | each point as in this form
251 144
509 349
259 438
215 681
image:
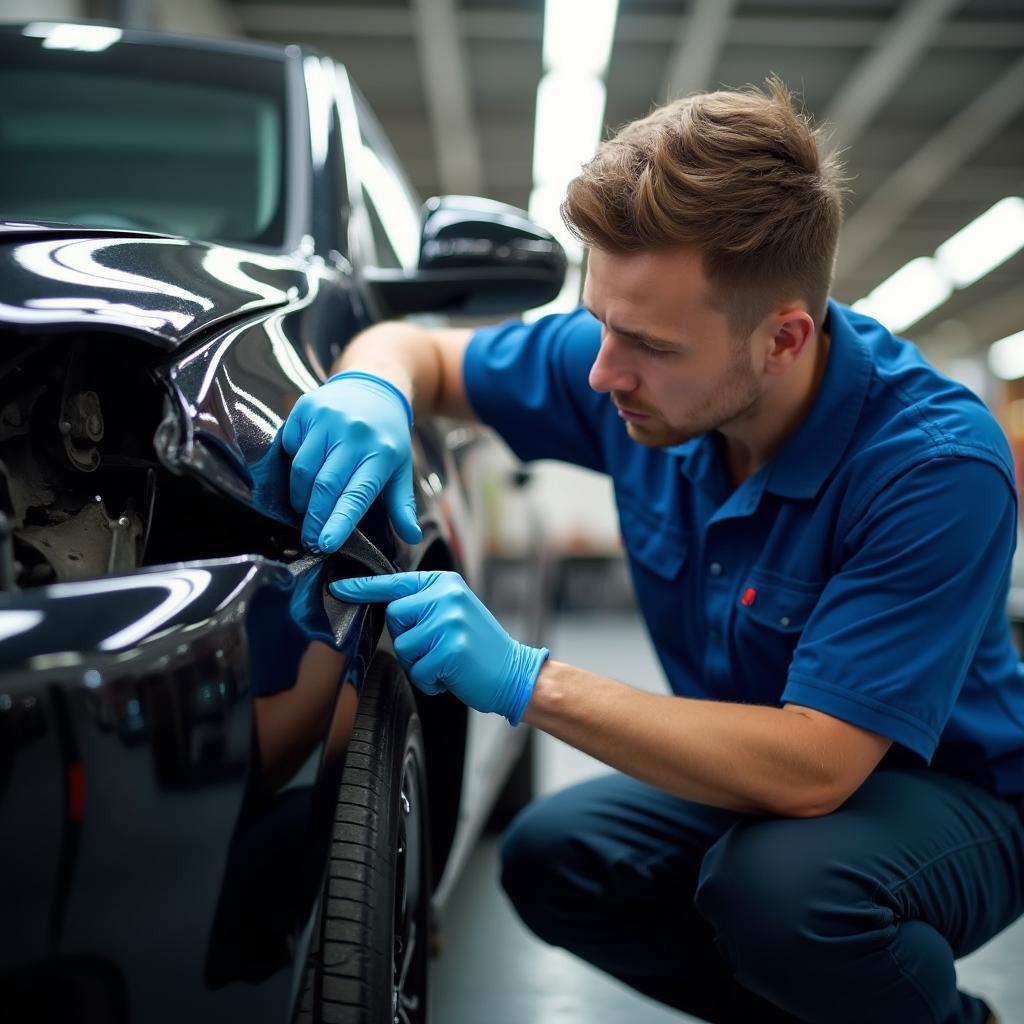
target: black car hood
161 288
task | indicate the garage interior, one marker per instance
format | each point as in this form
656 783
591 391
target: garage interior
926 101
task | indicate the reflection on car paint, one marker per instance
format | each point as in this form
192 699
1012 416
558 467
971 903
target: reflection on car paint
127 281
171 737
74 262
227 677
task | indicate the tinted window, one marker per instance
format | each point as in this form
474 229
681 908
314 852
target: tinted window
143 137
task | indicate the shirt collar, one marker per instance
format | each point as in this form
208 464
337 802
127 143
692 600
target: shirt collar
694 456
803 463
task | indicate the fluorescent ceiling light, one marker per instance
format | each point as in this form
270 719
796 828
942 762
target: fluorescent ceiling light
986 242
962 259
1006 357
578 35
567 130
88 38
914 290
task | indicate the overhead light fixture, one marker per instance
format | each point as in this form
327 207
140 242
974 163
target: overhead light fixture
569 120
986 242
578 35
567 130
962 259
914 290
61 36
1006 357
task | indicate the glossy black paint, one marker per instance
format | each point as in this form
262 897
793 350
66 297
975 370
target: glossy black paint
178 730
467 232
478 257
170 738
164 290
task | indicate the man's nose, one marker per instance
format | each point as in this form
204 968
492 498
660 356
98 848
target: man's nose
611 370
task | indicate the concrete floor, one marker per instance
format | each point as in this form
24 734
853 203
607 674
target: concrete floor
493 970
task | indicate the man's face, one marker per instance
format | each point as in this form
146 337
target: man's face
668 358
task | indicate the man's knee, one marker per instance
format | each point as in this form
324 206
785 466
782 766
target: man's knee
771 894
535 865
555 863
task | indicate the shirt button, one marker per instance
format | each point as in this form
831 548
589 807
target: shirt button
784 621
715 569
714 636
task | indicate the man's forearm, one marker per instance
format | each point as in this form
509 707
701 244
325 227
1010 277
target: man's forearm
402 354
738 756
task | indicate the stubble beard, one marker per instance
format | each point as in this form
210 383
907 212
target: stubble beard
733 399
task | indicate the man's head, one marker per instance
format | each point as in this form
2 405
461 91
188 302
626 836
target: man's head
713 225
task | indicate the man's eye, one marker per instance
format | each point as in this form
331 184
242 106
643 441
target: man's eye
657 353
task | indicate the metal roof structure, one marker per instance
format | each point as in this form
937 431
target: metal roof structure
926 99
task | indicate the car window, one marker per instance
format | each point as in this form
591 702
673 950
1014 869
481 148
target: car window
138 137
391 201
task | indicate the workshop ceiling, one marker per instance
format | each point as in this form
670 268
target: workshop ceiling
926 98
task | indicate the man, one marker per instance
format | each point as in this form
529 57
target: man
825 812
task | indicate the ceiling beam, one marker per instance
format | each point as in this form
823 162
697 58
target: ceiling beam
447 89
885 67
286 19
856 33
697 48
335 20
951 147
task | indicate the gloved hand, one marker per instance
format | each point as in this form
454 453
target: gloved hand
350 440
447 640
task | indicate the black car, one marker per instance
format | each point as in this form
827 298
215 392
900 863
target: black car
214 780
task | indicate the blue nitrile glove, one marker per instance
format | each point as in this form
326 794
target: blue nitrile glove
350 441
447 640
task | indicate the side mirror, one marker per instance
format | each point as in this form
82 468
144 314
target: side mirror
477 258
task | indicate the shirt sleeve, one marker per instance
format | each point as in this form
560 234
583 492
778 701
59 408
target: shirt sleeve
889 643
530 383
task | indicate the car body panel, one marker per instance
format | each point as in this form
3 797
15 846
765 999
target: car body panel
186 727
52 275
171 736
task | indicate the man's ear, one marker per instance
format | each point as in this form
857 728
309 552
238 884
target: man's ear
790 330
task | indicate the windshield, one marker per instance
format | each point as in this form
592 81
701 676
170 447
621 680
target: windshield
154 138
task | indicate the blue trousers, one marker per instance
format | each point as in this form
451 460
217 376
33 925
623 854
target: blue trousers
854 916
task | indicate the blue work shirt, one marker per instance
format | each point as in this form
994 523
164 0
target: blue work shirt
863 571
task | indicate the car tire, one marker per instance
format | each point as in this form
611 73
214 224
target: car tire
369 949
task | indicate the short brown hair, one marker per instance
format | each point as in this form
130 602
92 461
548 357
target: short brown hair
738 175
